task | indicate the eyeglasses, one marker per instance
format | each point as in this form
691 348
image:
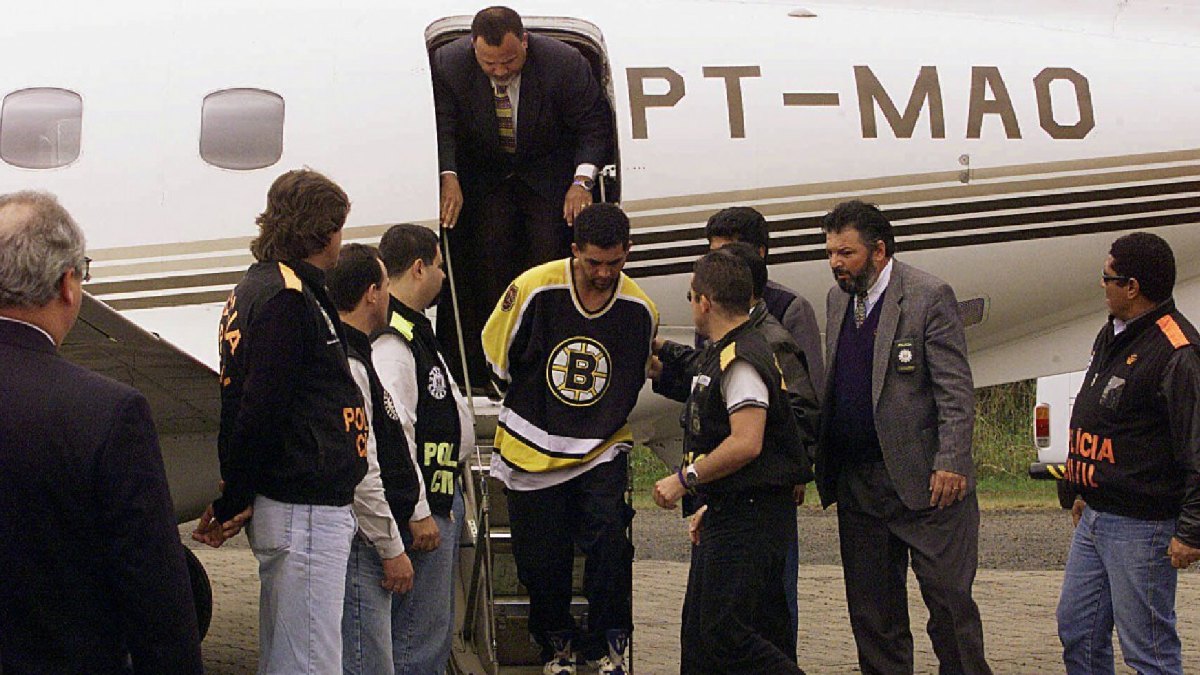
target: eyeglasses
85 269
1119 278
689 296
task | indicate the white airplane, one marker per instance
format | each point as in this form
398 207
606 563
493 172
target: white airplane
1009 142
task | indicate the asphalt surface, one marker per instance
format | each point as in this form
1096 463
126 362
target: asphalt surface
1009 539
1022 553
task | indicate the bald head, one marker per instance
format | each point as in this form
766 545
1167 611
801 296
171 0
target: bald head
39 242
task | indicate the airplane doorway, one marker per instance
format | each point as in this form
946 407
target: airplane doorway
538 175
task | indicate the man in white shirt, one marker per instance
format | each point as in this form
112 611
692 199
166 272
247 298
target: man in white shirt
440 433
379 566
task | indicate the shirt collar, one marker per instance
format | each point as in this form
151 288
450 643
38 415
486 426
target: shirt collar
880 285
513 86
37 328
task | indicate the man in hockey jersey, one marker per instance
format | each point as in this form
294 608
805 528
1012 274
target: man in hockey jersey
440 434
569 342
743 455
384 499
1134 463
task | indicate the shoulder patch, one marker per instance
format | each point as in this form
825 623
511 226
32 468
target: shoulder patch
728 354
1173 332
290 280
402 325
510 298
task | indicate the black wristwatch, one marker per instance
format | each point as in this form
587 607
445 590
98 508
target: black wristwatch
691 479
585 183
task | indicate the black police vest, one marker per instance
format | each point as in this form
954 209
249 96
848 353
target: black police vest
782 462
438 431
1121 457
396 471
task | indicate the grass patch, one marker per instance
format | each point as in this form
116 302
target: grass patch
1003 450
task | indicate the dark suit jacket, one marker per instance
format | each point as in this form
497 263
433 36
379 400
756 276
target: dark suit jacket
563 119
92 571
920 385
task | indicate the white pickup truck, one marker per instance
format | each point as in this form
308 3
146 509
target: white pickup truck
1051 428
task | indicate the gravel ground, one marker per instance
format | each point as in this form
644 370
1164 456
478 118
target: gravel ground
1009 539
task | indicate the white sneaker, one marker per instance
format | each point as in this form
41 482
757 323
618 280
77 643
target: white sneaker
560 666
605 666
563 662
614 663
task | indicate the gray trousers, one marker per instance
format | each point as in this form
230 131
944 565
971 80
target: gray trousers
878 537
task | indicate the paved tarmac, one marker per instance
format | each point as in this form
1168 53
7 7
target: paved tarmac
1017 608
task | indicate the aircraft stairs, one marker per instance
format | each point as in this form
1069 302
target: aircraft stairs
491 605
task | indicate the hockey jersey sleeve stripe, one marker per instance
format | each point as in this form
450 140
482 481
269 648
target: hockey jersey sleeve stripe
1173 332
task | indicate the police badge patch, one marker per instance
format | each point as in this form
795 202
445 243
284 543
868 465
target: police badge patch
389 407
510 298
437 383
905 356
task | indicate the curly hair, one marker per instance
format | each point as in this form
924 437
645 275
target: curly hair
304 209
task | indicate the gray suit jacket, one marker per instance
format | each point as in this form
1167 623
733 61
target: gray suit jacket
920 385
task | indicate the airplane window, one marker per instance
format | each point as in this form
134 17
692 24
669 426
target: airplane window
40 128
242 129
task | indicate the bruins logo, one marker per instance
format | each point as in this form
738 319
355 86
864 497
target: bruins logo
578 371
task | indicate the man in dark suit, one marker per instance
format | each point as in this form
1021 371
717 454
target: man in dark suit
895 448
522 128
93 574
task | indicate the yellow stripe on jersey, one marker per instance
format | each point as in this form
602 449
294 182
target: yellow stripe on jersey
290 280
1173 332
528 458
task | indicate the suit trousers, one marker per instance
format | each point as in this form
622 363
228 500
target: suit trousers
588 511
499 235
735 615
878 536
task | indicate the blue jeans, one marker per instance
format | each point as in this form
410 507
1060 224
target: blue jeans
367 614
302 551
423 618
1118 571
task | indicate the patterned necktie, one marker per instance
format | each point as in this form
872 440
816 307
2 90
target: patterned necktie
860 309
504 115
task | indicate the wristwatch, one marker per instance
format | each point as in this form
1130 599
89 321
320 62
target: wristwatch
690 478
585 183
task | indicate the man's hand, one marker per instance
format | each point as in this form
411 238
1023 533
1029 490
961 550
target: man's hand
1077 511
397 574
452 200
946 487
214 533
694 524
668 490
798 494
654 371
426 536
1181 554
577 198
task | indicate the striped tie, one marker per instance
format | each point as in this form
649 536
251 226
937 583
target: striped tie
504 115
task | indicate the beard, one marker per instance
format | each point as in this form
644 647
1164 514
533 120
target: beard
857 284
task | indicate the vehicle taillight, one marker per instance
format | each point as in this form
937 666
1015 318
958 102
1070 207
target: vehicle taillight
1041 425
